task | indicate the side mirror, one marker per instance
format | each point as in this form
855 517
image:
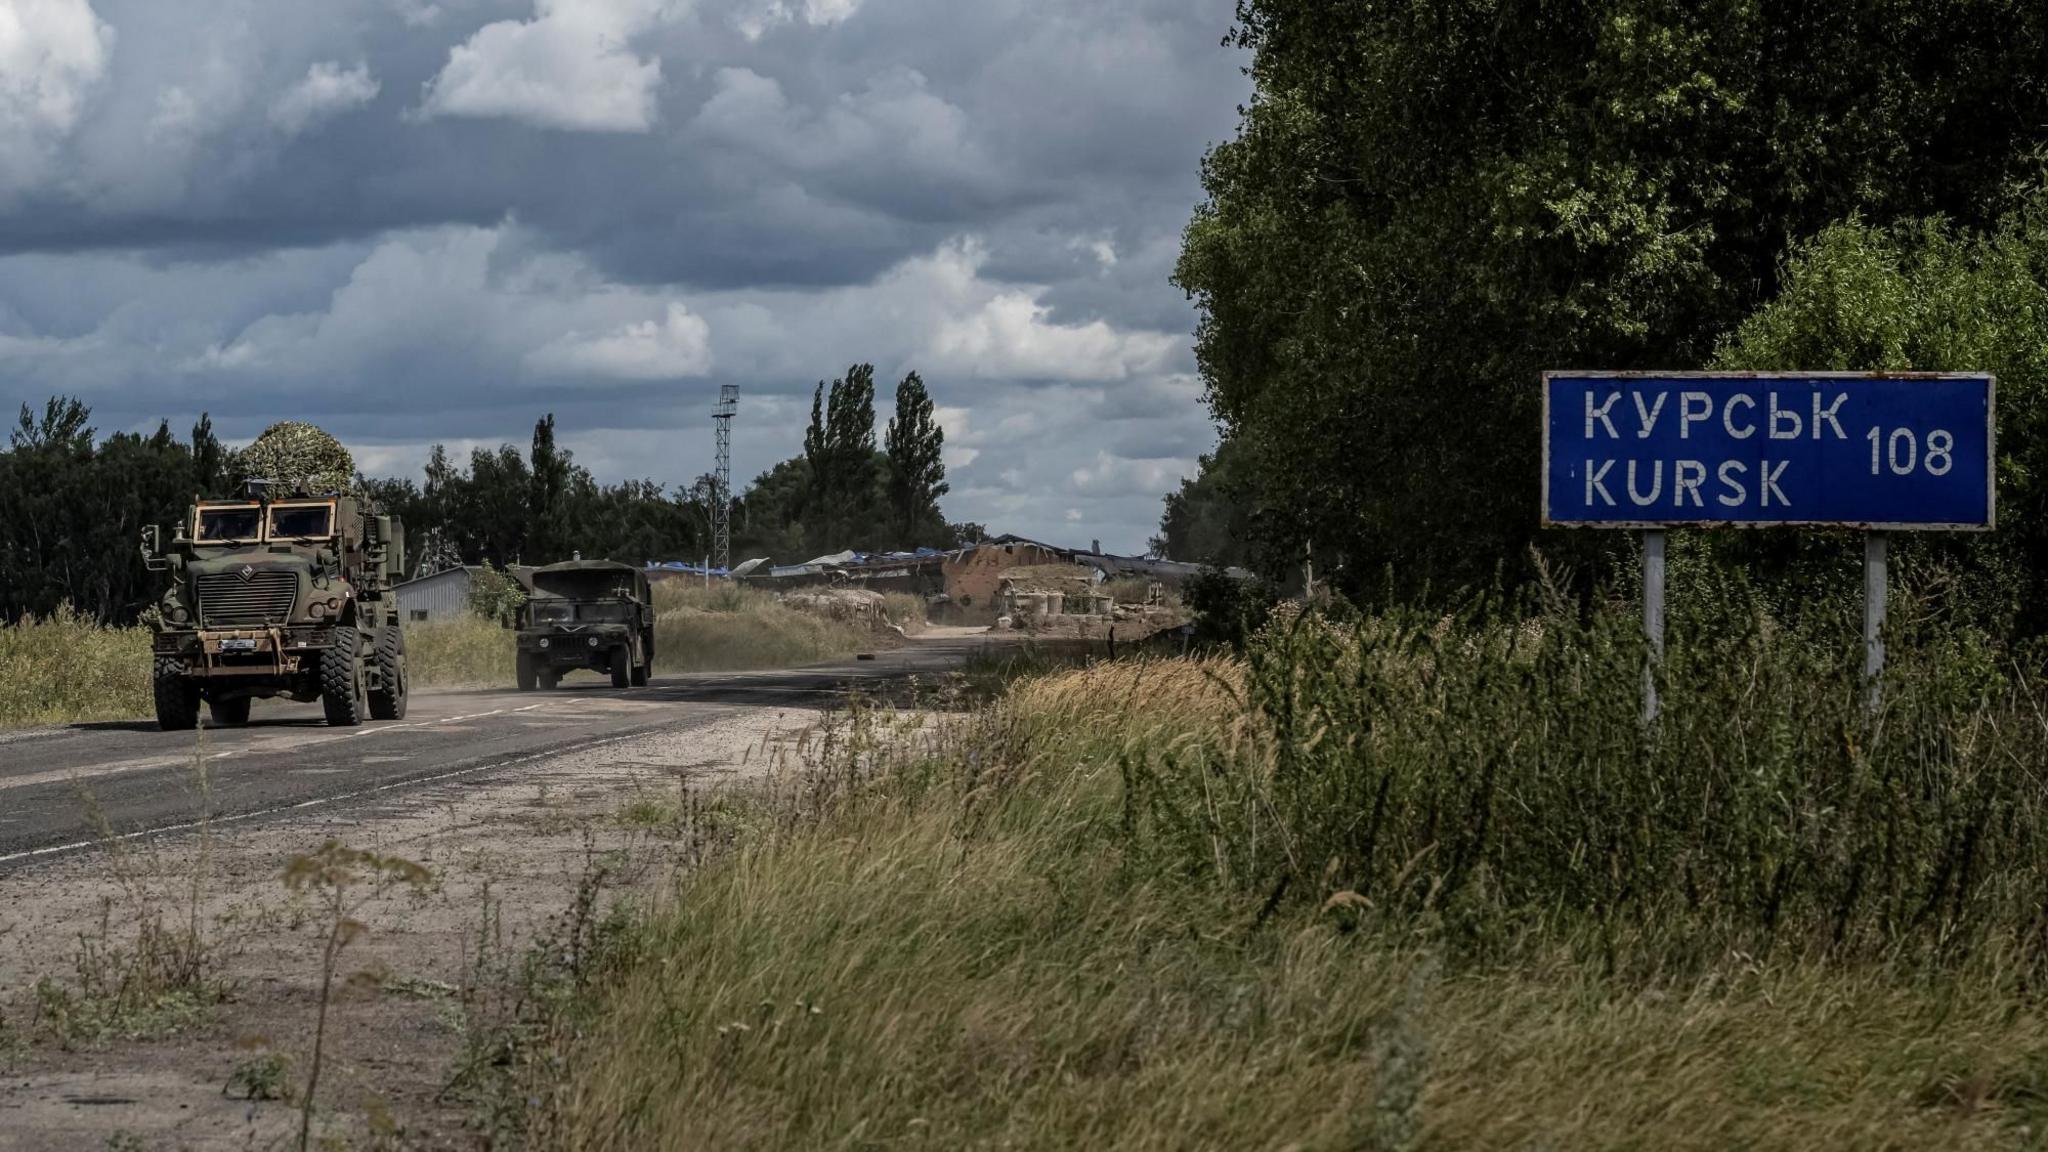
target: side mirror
153 548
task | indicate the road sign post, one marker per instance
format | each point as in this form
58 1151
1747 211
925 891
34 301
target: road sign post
1653 617
1876 583
1883 452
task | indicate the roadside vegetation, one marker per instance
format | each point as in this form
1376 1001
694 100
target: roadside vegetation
66 669
722 628
1390 881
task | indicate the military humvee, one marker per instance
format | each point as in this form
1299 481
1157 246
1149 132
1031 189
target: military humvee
279 597
594 614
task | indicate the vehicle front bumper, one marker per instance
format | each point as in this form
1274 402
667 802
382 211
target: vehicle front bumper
583 646
281 651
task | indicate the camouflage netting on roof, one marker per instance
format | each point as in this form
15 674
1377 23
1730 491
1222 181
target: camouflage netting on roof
295 455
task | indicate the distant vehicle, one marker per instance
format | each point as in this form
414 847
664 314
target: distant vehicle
595 614
283 597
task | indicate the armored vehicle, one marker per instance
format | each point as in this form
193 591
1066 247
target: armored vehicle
283 597
593 614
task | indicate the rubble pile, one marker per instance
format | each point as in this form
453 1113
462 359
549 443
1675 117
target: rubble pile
852 605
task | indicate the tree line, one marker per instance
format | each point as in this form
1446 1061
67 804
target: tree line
1428 204
72 503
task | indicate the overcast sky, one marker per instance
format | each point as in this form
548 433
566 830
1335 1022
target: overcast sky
413 221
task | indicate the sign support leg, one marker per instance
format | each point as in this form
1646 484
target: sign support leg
1653 617
1876 572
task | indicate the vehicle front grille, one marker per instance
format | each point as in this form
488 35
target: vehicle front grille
228 601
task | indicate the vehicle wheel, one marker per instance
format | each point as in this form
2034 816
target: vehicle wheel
229 713
388 702
177 697
341 679
526 673
622 666
548 679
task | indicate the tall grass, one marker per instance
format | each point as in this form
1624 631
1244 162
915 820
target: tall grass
66 669
465 652
1389 883
1502 773
729 628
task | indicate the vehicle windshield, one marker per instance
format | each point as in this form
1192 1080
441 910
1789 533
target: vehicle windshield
604 613
551 611
230 524
302 521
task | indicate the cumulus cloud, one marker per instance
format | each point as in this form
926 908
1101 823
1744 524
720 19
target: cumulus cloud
756 17
468 299
894 124
570 67
327 91
52 54
1009 333
937 312
676 345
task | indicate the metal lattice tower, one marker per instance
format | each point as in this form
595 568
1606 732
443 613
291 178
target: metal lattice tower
721 478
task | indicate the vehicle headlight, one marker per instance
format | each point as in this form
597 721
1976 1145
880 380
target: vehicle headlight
178 615
543 641
593 641
317 610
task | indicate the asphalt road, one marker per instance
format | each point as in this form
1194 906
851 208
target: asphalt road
68 789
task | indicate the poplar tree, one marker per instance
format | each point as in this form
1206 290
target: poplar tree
917 471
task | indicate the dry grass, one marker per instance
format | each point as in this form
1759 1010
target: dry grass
978 943
68 670
467 652
733 628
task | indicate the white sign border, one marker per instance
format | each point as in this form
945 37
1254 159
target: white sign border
1990 449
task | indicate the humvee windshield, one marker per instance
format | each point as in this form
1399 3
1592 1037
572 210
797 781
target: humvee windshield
221 525
300 521
552 612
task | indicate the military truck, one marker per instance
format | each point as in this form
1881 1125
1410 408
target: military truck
594 614
288 597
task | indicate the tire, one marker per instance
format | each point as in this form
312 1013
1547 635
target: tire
229 713
341 679
548 679
388 702
622 666
177 697
527 676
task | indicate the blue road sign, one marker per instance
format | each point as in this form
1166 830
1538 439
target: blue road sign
1653 450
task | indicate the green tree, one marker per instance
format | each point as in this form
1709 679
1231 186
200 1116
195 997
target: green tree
1933 296
209 459
550 468
916 468
844 506
1428 203
1208 521
71 509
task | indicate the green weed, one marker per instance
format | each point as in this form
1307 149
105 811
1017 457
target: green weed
1389 881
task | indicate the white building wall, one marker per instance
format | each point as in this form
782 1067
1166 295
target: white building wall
442 596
